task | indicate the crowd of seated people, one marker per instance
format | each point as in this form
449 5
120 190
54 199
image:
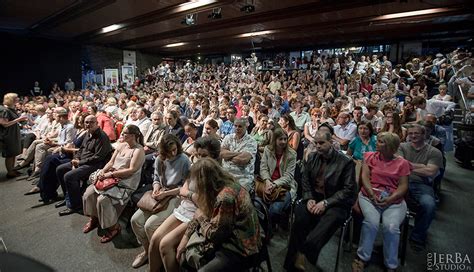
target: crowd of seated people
319 136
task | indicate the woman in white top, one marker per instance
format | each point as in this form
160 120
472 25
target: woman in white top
443 96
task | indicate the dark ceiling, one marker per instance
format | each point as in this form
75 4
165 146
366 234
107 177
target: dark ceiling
151 25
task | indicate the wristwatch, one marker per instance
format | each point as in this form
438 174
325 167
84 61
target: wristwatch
325 203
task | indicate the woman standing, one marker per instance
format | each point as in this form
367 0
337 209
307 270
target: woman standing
225 218
105 207
10 137
385 183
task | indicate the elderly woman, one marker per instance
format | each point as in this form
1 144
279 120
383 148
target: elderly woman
225 218
365 141
104 207
385 183
166 238
277 169
171 168
10 143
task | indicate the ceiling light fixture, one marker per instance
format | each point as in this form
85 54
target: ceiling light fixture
215 14
256 33
194 4
190 19
248 7
174 44
111 28
412 13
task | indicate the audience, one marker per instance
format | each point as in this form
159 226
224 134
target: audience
222 102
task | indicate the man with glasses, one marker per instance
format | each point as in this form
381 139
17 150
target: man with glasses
426 161
92 155
228 126
238 151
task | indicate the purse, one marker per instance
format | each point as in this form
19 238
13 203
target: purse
105 184
194 255
277 194
149 204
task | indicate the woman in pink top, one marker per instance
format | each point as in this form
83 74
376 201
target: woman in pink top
385 183
106 123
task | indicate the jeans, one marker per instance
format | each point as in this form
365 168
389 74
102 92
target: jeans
278 208
423 195
392 218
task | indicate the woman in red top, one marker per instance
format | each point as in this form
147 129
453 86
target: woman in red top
106 123
385 183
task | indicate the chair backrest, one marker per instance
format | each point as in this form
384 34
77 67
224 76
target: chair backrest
263 219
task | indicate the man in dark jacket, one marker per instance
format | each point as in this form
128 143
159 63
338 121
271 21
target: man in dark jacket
92 155
329 191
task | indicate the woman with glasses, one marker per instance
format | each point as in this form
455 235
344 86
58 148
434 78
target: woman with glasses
105 207
166 238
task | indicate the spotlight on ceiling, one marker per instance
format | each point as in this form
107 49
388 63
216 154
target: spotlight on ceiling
190 19
248 7
215 14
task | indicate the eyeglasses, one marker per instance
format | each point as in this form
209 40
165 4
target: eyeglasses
89 122
155 119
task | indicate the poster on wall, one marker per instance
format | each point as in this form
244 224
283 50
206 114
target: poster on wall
128 74
111 77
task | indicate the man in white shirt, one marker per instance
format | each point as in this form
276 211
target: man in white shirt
299 116
275 85
345 130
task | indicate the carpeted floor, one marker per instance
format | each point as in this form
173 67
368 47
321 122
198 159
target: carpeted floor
59 242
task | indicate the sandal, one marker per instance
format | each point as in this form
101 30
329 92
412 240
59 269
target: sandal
92 224
111 234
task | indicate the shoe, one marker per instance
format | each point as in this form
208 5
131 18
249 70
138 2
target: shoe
34 190
358 265
33 176
13 174
111 234
299 262
60 204
51 201
416 246
140 260
69 211
20 166
92 224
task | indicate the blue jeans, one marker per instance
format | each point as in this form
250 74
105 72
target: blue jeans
392 218
278 208
423 195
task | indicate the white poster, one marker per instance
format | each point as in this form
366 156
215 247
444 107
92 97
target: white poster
129 58
128 74
111 77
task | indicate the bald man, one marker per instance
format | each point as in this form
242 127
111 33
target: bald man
92 155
